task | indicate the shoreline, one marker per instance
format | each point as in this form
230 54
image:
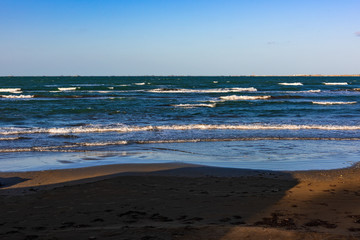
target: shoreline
180 201
15 181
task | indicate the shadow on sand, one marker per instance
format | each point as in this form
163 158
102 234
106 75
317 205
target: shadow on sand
10 181
182 203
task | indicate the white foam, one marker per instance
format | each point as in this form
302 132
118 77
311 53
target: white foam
314 91
195 105
111 88
40 149
9 139
72 147
257 127
215 90
11 90
88 144
332 103
83 85
236 98
291 84
67 89
242 139
125 128
17 96
335 83
139 84
101 91
16 150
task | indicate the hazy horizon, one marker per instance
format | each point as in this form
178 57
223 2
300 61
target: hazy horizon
151 75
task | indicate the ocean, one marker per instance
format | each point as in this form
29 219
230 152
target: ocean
273 123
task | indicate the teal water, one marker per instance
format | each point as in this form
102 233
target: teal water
278 123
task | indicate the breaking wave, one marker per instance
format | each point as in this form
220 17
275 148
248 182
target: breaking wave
335 83
10 139
291 84
314 91
11 90
124 128
235 98
67 89
211 105
75 147
17 96
215 90
332 103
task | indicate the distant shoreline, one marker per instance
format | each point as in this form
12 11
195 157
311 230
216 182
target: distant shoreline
294 75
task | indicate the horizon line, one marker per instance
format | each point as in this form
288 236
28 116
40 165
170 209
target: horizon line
251 75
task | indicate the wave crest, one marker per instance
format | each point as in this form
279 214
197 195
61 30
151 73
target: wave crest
74 147
125 128
291 84
235 98
332 103
67 89
215 90
335 83
17 96
11 90
211 105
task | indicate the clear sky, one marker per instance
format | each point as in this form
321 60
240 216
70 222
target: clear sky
187 37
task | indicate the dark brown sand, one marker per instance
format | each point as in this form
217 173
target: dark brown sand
179 201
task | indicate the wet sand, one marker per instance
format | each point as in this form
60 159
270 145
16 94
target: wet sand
179 201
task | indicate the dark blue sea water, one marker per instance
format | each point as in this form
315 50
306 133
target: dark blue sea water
278 123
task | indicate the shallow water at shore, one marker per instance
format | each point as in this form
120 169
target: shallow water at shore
260 154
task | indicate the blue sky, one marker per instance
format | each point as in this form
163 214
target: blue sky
198 37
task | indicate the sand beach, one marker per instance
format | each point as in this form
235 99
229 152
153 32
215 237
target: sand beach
179 201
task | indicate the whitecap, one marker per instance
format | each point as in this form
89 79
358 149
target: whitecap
236 98
140 84
314 91
17 96
11 90
67 89
215 90
9 139
126 128
94 144
100 91
291 84
335 83
195 105
9 150
332 103
86 85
